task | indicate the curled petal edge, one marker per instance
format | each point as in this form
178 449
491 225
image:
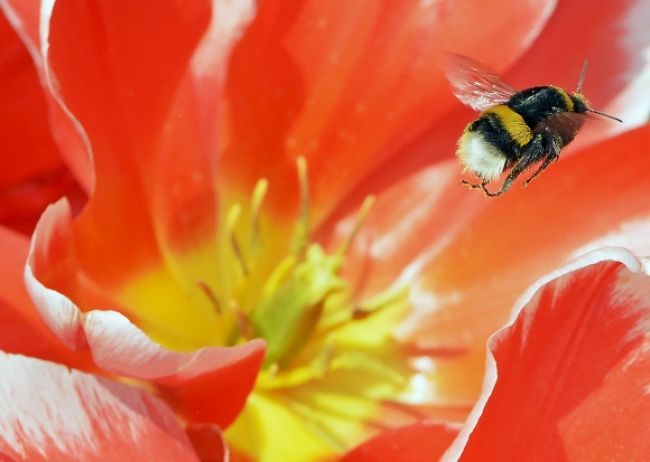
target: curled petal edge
621 255
115 343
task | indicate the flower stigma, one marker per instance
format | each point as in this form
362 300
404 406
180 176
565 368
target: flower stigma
331 363
329 359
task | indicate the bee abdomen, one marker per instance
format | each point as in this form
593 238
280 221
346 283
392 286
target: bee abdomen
493 141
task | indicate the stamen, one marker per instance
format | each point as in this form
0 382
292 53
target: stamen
214 300
278 275
245 325
361 217
302 229
231 222
259 193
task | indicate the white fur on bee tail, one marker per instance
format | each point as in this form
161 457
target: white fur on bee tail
480 156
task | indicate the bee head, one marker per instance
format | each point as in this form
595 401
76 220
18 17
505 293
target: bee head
580 104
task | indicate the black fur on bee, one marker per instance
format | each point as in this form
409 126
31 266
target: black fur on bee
516 129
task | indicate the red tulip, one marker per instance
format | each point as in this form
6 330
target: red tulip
228 255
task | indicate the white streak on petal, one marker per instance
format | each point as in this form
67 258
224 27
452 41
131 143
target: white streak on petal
229 18
632 105
19 27
489 381
47 8
633 235
429 188
544 14
116 344
61 315
51 412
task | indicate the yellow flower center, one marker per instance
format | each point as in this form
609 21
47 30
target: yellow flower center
331 361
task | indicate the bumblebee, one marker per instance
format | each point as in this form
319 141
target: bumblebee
516 129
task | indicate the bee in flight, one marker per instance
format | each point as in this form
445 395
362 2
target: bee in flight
516 129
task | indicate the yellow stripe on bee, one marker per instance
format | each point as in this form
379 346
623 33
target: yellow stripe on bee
513 123
566 97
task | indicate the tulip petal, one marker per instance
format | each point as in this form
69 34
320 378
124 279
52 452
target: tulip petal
374 84
26 143
26 18
615 41
82 417
208 443
618 73
22 329
145 101
419 442
109 86
118 346
453 246
33 174
567 380
583 198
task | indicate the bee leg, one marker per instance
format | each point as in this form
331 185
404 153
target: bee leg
474 185
550 158
517 170
533 153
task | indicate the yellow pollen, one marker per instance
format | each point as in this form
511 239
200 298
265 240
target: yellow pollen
232 217
367 204
259 193
302 229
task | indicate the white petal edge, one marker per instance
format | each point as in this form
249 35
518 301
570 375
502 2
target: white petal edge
47 78
624 256
116 344
633 103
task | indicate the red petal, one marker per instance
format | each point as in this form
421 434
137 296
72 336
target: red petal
21 328
615 40
568 379
529 232
145 102
22 204
420 442
33 174
26 143
81 417
208 443
616 79
455 246
372 86
118 68
25 17
198 381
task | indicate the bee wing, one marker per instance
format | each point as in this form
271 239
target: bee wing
474 84
565 124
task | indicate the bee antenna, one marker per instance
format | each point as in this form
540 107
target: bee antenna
605 115
581 79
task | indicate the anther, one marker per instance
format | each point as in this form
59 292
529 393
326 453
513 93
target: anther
361 217
302 229
231 222
243 322
212 297
259 193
